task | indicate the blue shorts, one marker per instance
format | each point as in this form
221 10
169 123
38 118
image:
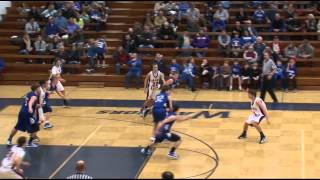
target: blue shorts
159 115
46 109
24 123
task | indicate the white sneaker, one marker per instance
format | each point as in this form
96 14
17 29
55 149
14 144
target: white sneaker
9 143
32 145
173 156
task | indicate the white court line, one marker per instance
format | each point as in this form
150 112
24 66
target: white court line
76 151
302 155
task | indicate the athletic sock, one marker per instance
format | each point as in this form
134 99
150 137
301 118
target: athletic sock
173 150
261 134
30 140
244 133
10 138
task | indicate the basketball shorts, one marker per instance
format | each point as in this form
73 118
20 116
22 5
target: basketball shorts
159 114
255 118
60 87
171 137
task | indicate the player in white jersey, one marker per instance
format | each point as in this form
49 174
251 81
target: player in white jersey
152 86
259 112
56 71
11 164
43 100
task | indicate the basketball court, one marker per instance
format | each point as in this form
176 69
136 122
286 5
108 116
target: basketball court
103 128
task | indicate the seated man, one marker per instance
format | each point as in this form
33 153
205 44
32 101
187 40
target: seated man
221 17
202 41
306 50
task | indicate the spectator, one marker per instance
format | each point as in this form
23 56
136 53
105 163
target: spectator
32 27
235 74
201 41
85 16
101 45
306 50
252 31
134 70
167 175
68 10
271 13
61 22
246 73
250 55
160 19
49 12
53 45
24 9
224 41
80 171
175 66
280 75
215 77
158 6
193 17
74 31
311 23
277 25
184 42
182 9
26 46
100 17
129 44
160 62
259 47
247 40
291 51
206 74
40 47
259 16
237 29
290 12
120 58
169 7
79 21
175 71
51 29
74 54
236 45
189 73
147 21
167 32
173 22
147 38
276 49
255 77
220 19
91 54
291 74
35 14
293 24
242 16
225 76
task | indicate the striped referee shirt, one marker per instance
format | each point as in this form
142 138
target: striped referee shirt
79 176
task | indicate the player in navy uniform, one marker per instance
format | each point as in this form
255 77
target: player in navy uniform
162 102
163 132
101 51
28 119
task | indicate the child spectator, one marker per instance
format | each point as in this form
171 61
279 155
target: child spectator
235 74
175 66
120 58
291 51
250 55
134 70
245 76
189 73
236 45
206 74
255 77
101 45
291 74
225 72
280 75
92 54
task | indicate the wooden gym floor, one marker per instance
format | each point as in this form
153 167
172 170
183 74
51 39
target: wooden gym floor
210 143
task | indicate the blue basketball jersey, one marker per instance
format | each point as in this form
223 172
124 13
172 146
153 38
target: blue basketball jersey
46 99
161 101
24 107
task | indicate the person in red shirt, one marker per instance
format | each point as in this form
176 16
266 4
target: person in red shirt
120 58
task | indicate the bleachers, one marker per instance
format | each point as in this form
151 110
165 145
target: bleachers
124 14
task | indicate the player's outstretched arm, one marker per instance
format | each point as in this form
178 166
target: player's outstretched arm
181 118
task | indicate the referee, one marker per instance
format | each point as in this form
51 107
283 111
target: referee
80 174
268 70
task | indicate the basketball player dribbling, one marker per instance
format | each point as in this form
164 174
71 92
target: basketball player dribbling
152 85
259 112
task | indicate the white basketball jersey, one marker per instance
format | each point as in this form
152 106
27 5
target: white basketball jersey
154 80
8 161
255 106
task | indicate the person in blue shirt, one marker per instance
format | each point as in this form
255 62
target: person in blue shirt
101 51
51 28
61 22
235 74
291 72
247 40
28 119
259 16
189 73
2 65
175 71
182 9
236 45
163 132
134 71
92 54
280 75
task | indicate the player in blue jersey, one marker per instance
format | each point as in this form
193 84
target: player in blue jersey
163 132
101 51
28 119
162 104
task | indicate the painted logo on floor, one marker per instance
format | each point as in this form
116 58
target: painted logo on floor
202 114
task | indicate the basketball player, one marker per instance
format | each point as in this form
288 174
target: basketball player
259 112
11 164
56 71
162 104
54 87
28 119
152 84
45 110
163 132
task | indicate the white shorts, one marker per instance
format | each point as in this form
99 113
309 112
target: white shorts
8 174
60 87
255 118
41 115
152 93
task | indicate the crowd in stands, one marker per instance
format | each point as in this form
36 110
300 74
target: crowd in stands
62 35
